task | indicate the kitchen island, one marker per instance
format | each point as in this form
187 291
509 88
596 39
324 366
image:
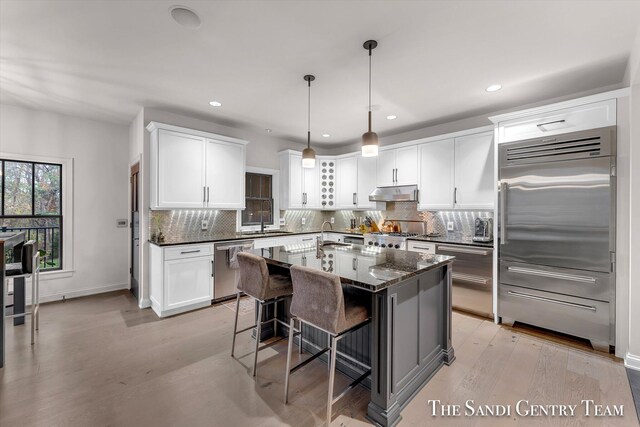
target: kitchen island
8 240
409 337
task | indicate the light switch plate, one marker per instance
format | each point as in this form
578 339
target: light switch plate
205 224
449 225
333 220
304 221
282 222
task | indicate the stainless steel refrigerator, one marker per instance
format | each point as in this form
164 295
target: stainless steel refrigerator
556 234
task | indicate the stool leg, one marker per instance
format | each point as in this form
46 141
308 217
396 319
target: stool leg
287 372
275 319
235 325
37 275
258 331
332 375
300 337
33 308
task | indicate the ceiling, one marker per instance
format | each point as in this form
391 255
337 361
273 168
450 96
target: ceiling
107 59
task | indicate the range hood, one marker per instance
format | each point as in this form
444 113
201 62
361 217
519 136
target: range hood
398 193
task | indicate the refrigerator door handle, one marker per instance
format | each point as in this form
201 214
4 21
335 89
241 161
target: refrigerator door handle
551 274
554 301
502 206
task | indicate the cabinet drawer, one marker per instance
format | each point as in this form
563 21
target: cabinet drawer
422 247
588 116
575 316
471 261
187 251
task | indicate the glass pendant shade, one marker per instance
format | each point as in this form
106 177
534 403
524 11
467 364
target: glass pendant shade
308 158
369 144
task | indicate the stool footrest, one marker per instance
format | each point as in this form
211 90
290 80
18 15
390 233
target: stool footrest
350 386
315 356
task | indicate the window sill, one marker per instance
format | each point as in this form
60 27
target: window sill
59 274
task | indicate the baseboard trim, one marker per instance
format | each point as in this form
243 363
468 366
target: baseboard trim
632 361
80 292
145 303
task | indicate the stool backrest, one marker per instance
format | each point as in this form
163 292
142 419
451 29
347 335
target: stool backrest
317 298
28 251
254 275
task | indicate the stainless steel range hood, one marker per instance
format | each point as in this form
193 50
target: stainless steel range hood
399 193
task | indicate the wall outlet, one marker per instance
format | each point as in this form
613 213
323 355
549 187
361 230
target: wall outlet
333 220
282 222
205 224
122 223
449 225
304 221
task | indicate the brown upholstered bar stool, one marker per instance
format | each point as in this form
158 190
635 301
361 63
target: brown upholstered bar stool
318 300
266 289
29 266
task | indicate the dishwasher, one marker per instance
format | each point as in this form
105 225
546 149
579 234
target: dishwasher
472 278
226 273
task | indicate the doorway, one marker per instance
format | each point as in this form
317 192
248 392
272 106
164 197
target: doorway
135 230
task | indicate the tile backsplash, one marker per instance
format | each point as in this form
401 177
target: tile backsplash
186 224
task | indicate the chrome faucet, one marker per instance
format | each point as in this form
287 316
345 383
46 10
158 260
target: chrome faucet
322 230
262 213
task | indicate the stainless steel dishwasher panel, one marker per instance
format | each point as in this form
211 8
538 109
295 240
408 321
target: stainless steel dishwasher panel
225 274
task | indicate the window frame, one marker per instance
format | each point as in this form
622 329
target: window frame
275 192
59 216
66 208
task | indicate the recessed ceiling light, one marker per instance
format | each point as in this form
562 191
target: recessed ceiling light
325 135
493 88
392 117
185 16
215 104
268 130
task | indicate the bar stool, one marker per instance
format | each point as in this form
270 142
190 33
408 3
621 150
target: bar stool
318 300
266 289
29 266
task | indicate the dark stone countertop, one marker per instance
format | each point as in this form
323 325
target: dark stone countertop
371 269
223 237
454 240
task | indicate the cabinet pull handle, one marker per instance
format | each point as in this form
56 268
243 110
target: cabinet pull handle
354 264
204 194
422 247
396 169
550 123
190 252
551 274
207 194
502 207
354 198
455 195
469 278
212 267
555 301
393 175
306 240
463 250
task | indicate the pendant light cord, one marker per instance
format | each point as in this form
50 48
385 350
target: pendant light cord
309 117
369 79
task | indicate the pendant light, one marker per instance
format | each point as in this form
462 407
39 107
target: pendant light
308 154
369 138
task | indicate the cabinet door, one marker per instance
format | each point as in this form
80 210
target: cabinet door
347 182
180 172
187 281
366 181
386 164
311 186
225 175
474 177
407 166
294 181
436 174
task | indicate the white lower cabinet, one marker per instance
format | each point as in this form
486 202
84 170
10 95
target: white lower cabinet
181 278
422 247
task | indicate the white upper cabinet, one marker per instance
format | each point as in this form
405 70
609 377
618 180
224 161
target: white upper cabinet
299 187
457 173
436 175
474 177
347 183
397 166
366 181
179 179
225 175
194 169
546 121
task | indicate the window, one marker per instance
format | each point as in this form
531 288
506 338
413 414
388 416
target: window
31 201
258 199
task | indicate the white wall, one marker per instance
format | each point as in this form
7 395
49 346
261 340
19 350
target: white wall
633 357
99 151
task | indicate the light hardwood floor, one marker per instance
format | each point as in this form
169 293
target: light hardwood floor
101 361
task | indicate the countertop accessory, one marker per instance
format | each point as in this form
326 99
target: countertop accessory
369 138
308 154
483 230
